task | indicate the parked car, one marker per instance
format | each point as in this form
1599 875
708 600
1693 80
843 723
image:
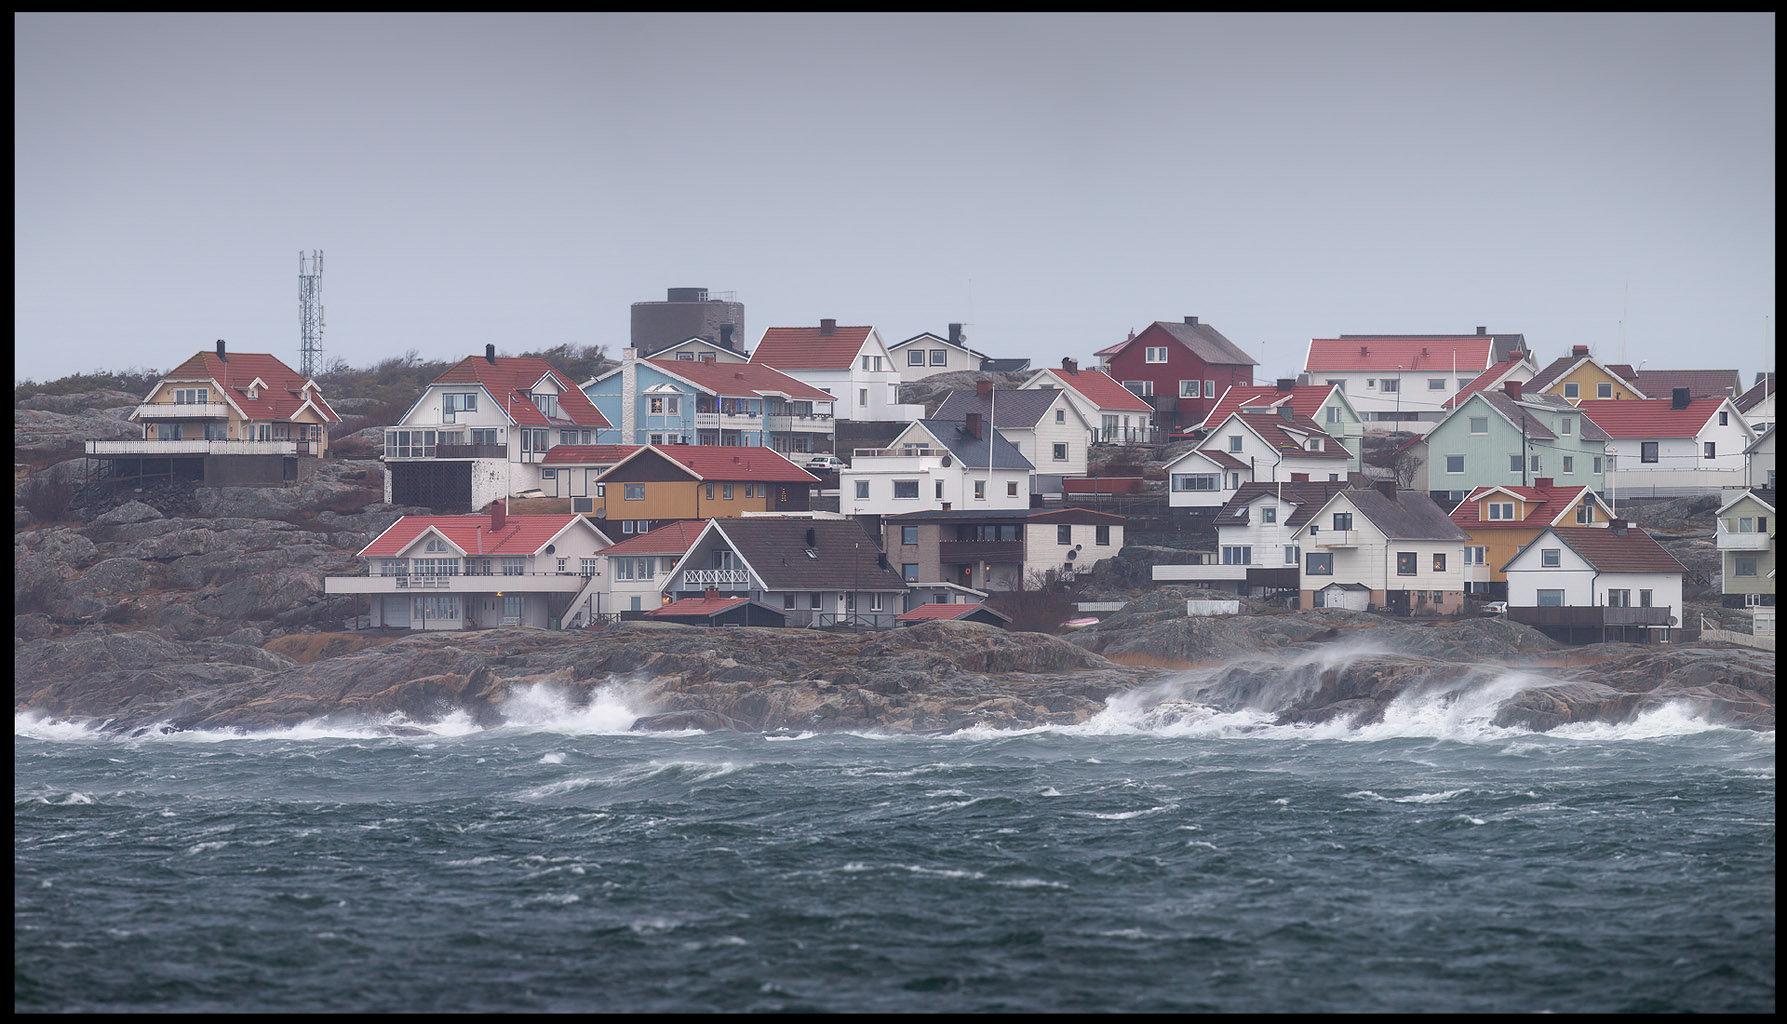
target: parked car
1496 608
825 464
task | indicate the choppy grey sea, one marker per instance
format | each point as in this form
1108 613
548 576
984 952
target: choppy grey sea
1141 862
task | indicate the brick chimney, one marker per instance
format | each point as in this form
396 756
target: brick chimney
1070 364
713 594
1543 483
498 517
983 387
1578 351
827 327
220 354
973 425
490 354
1617 527
1678 398
1512 389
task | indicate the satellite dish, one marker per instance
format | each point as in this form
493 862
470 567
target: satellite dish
601 513
1672 620
947 462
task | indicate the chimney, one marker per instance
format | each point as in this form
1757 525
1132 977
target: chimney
725 335
973 425
1364 350
497 516
826 327
1543 483
1070 364
1578 351
1482 330
490 354
1286 383
955 334
1512 389
1191 321
1617 527
1387 488
220 354
1678 398
983 387
713 594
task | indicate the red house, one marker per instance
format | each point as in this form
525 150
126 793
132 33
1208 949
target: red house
1180 369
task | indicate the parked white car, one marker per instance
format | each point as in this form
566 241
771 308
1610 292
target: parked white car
1496 608
825 464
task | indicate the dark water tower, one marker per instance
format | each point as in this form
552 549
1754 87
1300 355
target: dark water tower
689 313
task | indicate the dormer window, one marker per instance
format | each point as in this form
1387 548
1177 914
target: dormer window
547 404
1314 444
1501 510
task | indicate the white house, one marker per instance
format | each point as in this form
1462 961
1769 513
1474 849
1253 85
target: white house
1205 478
481 571
1404 382
700 350
638 565
480 431
1257 550
1397 547
1044 424
924 355
1255 447
1324 404
1758 403
851 364
1590 581
936 464
1116 415
1673 447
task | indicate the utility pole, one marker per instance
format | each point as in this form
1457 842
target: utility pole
310 313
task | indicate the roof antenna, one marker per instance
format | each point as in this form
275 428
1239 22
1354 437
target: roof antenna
1625 304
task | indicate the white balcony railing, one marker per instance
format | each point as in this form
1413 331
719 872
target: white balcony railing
715 577
1336 539
1731 540
164 411
201 447
532 583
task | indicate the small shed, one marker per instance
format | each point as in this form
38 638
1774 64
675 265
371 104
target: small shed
964 612
718 611
1356 596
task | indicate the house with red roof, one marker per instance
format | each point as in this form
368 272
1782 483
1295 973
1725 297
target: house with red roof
483 571
1504 518
1116 415
481 430
638 564
1403 382
1580 584
714 403
981 613
655 485
1178 368
1673 447
1518 366
850 363
1325 404
222 418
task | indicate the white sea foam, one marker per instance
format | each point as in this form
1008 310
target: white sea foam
1676 718
611 710
1126 815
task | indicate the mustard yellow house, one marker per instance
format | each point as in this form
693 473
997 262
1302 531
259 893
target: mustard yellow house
656 485
1502 520
1578 377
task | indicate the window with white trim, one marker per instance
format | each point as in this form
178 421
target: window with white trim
1188 389
1155 354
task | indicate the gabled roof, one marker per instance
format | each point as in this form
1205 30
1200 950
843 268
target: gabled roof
282 398
1764 387
1764 496
472 534
1700 383
1304 399
1098 388
1611 549
740 380
1046 516
706 607
669 539
1563 366
1489 379
1470 353
948 612
1204 341
1756 445
1286 436
1546 505
1412 515
587 454
844 556
1222 459
510 379
804 348
723 462
928 336
1306 498
1651 417
971 451
1011 407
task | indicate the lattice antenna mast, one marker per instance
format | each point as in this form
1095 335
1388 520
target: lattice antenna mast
310 313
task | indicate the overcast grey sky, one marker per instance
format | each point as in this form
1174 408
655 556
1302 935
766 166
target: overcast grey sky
522 179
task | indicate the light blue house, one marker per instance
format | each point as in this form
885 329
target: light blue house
1507 438
664 401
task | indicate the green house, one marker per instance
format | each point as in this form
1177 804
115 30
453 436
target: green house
1506 438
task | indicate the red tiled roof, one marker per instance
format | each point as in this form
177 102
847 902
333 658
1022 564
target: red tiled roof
510 376
1272 428
741 379
669 539
699 606
804 348
1610 551
931 612
732 462
281 398
1412 354
587 454
1650 417
1545 505
520 535
1486 379
1305 399
1100 389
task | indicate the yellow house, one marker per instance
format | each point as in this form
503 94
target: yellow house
659 484
1578 377
1504 519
